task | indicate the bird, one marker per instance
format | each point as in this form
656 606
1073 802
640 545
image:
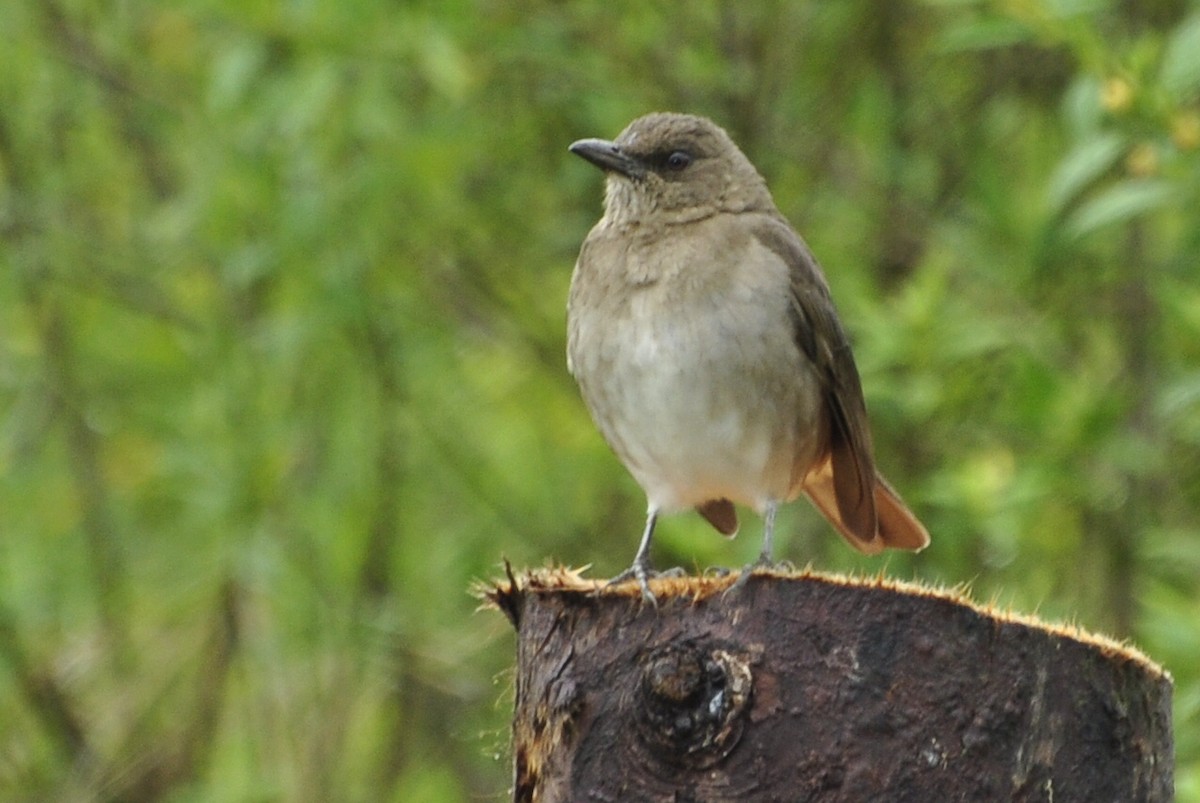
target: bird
708 351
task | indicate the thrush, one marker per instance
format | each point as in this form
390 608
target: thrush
707 349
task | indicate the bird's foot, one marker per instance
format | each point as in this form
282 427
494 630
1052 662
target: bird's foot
641 572
763 562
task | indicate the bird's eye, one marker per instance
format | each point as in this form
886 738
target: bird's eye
679 160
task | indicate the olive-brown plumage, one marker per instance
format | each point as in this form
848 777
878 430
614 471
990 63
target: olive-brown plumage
708 350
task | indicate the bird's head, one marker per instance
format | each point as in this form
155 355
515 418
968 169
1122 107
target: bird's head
667 167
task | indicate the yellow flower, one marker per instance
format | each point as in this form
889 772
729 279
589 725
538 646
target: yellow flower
1185 130
1116 95
1142 160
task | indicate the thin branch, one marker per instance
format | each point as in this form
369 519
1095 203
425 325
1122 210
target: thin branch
182 757
48 701
99 527
80 52
383 349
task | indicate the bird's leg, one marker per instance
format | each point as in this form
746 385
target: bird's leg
764 557
641 569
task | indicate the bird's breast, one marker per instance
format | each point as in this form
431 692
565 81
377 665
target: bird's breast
696 381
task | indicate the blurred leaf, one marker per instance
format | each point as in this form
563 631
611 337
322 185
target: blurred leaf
983 34
1080 167
1180 73
1072 8
1179 396
1121 202
1082 107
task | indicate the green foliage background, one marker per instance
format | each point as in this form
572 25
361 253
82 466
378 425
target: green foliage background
281 349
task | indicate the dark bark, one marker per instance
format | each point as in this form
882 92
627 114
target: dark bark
815 688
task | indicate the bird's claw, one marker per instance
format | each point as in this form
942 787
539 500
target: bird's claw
763 562
642 574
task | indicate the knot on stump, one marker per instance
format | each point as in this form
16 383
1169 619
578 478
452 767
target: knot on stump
692 699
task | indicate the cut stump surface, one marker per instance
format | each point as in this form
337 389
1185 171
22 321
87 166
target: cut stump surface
807 687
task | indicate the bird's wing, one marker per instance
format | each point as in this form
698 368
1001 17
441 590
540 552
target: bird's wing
842 484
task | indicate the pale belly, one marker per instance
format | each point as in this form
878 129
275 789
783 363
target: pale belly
706 407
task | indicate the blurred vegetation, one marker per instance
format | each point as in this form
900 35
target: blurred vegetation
281 349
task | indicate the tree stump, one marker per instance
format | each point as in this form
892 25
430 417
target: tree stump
807 687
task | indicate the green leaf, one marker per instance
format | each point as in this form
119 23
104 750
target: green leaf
1066 9
1178 397
1180 73
1080 167
1081 106
1120 203
982 34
